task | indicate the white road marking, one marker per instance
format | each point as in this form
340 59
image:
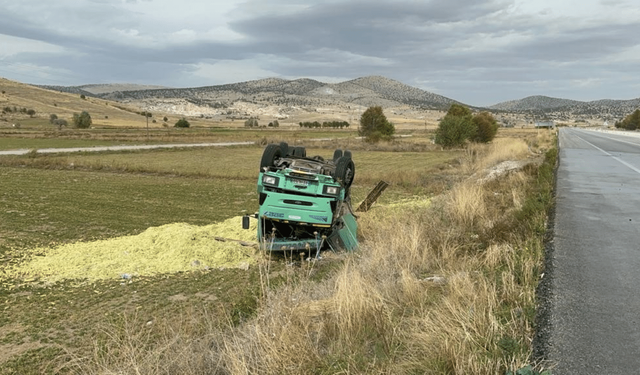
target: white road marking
614 157
619 140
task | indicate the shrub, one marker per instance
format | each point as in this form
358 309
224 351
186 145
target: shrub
251 122
374 121
59 122
31 112
182 123
454 131
82 120
458 110
52 117
456 127
631 122
486 127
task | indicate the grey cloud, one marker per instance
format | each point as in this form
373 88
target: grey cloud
445 43
372 27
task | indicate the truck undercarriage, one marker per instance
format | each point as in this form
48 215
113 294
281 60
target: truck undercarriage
305 202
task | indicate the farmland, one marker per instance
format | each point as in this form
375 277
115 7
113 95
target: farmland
371 311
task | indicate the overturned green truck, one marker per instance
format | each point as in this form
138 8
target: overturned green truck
305 202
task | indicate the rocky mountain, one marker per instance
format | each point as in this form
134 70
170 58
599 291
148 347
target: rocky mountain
271 96
561 109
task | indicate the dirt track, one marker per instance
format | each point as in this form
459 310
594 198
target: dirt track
121 148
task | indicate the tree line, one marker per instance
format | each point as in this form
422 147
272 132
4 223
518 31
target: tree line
252 122
325 124
7 109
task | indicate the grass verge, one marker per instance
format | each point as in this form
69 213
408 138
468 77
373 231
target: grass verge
447 290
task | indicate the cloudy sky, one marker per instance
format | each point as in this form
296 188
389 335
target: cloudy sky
479 52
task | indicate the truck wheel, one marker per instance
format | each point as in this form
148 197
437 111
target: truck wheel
347 154
299 152
270 154
337 154
345 171
284 148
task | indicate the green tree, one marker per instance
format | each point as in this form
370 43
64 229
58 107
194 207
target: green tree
632 121
456 127
182 123
251 122
82 120
486 127
60 122
52 117
374 125
31 112
458 110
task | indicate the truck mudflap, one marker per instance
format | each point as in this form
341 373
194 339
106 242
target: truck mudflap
344 236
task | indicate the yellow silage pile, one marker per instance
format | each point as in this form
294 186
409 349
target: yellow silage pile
166 249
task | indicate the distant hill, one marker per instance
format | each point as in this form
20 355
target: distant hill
558 108
98 89
365 91
535 103
282 98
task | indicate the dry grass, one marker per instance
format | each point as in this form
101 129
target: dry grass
479 157
447 288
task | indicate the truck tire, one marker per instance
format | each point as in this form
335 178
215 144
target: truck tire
337 154
284 148
347 154
345 171
299 152
270 154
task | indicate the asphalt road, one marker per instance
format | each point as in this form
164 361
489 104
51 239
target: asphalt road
594 303
121 148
